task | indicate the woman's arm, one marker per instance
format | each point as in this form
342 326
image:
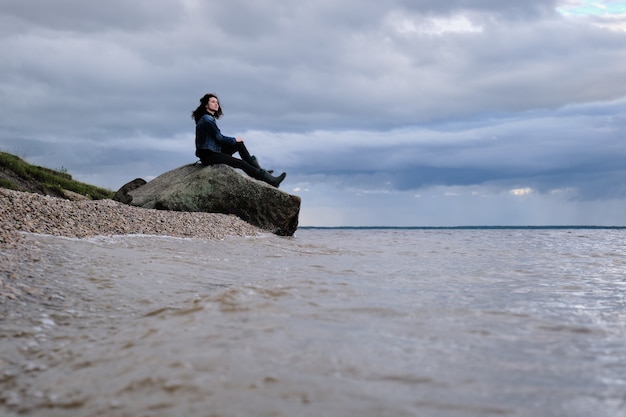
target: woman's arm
215 132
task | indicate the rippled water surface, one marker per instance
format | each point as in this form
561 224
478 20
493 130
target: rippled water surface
328 323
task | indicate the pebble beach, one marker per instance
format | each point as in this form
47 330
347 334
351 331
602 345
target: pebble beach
22 212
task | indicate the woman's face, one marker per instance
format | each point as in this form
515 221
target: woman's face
213 105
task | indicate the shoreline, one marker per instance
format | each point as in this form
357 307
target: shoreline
36 213
23 212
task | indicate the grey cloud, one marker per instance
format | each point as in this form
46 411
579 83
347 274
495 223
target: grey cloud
533 151
420 79
310 74
512 9
83 16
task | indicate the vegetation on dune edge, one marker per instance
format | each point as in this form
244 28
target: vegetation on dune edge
17 174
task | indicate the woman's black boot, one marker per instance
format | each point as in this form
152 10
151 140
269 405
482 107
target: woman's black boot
271 180
255 163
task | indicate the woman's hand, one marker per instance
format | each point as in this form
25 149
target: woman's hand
239 139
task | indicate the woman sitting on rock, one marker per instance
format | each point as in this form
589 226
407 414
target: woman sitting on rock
214 148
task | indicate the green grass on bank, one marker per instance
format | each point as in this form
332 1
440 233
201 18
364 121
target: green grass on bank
48 179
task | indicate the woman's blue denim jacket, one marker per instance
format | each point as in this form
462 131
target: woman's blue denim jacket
208 135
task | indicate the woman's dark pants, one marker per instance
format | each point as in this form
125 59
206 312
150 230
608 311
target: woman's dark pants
208 157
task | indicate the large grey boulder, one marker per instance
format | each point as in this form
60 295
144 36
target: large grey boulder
218 189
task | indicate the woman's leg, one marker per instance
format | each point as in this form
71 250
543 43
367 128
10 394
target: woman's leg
213 158
239 147
244 153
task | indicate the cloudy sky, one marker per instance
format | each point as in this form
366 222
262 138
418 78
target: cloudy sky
396 113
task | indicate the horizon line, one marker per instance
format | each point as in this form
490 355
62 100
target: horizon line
467 227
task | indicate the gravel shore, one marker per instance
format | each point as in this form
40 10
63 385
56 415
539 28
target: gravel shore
35 213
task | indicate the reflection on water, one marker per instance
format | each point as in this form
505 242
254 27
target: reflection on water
337 323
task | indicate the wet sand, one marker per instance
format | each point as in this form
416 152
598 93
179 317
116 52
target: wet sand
34 213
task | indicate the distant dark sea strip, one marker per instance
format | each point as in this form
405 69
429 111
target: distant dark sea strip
461 227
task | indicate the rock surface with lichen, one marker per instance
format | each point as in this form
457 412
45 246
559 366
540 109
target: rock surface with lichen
217 189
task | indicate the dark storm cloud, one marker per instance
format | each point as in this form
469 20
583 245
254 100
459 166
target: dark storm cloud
580 147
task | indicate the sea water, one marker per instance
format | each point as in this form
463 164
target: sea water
330 322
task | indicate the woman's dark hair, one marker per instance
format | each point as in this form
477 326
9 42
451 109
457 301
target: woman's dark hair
201 110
